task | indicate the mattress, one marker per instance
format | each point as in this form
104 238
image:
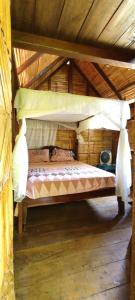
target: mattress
62 178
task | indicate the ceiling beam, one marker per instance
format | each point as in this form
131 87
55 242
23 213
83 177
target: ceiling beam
58 64
87 80
30 83
113 57
107 80
28 62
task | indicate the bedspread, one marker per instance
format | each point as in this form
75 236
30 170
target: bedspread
60 178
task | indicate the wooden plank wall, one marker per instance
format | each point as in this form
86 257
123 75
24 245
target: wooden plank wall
6 201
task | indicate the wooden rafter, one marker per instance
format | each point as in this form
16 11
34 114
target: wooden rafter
59 63
113 57
16 83
129 85
87 80
42 73
28 62
70 83
107 80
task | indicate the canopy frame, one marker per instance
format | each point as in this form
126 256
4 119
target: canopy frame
90 112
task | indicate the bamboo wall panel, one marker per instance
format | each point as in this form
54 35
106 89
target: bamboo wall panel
6 201
66 138
95 141
59 81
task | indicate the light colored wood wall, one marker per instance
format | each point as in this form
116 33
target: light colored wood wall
6 201
66 139
95 142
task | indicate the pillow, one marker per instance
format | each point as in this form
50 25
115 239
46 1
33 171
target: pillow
36 155
62 155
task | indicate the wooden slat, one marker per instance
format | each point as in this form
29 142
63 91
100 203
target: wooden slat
96 79
49 65
72 17
99 15
101 72
89 82
119 22
28 62
47 16
82 244
72 50
51 71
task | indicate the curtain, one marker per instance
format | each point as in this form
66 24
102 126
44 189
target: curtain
40 133
20 164
123 160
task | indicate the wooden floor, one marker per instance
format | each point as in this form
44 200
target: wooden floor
76 251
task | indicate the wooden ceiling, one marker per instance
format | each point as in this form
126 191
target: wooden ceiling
98 36
92 22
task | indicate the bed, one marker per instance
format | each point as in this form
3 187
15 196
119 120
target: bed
57 182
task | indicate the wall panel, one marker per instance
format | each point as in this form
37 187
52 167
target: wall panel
6 201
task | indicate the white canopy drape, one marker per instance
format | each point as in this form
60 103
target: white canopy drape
40 133
90 112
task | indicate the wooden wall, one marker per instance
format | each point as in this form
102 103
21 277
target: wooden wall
68 79
6 201
95 142
66 138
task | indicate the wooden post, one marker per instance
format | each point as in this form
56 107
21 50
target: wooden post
121 206
20 218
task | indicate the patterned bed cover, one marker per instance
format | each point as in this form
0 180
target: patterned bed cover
62 178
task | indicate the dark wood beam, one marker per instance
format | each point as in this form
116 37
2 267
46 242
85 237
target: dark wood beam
70 86
87 80
42 73
51 71
114 57
28 62
107 80
15 79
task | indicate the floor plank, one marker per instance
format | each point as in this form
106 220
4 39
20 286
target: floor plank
76 251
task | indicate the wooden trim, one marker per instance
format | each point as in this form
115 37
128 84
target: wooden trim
107 80
28 62
114 57
89 82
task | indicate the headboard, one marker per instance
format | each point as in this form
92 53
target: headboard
51 148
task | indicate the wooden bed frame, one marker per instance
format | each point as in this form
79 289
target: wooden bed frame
27 202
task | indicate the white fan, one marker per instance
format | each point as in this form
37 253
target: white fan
106 157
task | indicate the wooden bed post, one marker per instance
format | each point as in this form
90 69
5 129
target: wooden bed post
20 218
121 206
